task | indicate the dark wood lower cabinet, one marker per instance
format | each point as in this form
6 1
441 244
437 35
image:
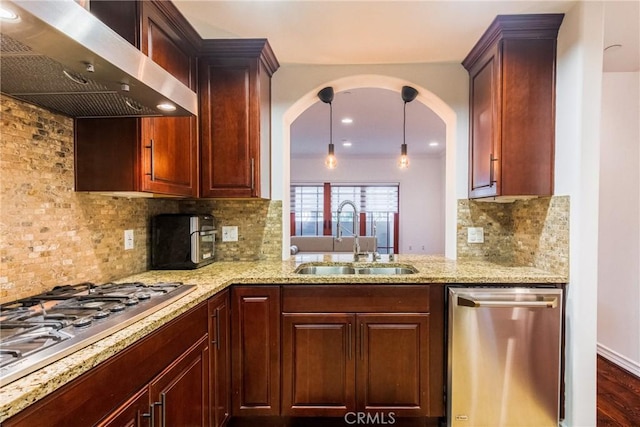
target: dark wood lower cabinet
389 361
255 350
180 395
318 364
393 363
220 356
271 355
172 360
136 412
334 363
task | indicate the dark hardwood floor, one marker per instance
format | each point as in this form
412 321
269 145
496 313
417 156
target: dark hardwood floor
618 396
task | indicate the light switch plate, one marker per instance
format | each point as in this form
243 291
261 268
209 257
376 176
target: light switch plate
230 233
475 235
128 239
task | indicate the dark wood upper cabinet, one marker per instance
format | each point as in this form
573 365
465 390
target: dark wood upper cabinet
512 107
152 155
235 117
120 16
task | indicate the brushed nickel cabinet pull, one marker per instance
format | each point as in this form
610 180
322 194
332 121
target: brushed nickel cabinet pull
150 147
491 170
253 177
361 341
218 328
349 341
151 415
163 403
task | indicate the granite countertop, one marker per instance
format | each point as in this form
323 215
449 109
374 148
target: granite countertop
218 276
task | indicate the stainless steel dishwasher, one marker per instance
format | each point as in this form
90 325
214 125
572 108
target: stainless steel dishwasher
504 349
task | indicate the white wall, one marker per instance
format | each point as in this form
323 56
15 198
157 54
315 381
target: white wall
421 193
619 222
578 89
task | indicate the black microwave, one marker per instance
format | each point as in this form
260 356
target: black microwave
182 241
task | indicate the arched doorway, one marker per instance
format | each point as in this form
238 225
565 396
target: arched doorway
426 97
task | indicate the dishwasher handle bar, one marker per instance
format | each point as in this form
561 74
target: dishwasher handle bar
469 301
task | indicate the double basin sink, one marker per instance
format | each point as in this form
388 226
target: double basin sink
322 270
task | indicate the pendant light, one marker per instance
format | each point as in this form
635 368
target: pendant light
326 96
408 95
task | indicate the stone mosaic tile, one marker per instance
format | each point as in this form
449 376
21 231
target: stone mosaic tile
532 232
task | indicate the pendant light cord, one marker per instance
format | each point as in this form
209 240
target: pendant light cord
330 123
404 124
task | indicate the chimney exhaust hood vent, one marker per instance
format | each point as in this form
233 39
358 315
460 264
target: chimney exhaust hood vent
58 55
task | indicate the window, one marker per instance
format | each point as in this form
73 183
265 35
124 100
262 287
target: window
307 203
377 208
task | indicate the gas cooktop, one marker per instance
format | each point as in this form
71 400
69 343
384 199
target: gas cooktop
39 330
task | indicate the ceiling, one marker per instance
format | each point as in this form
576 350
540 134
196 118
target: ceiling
376 130
384 32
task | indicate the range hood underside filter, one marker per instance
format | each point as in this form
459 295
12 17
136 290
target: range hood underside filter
38 51
48 87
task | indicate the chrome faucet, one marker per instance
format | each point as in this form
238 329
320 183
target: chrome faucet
356 243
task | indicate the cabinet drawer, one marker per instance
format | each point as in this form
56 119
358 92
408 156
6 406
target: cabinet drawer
355 298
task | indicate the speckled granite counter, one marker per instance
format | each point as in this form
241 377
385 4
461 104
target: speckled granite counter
216 277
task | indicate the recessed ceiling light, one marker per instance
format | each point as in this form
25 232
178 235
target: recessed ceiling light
346 144
433 144
166 106
8 15
347 120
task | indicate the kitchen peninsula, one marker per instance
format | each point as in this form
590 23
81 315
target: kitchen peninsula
215 278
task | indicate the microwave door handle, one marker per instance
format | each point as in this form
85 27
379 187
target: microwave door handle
195 247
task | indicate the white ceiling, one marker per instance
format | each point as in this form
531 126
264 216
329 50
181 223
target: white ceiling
376 130
384 32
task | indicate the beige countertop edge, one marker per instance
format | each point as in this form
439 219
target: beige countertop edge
218 276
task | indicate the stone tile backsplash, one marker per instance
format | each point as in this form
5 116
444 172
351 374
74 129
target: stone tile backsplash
259 225
50 235
533 232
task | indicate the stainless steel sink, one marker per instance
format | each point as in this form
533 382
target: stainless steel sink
326 269
342 269
386 270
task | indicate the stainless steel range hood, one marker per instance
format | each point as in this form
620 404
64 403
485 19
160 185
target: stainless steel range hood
58 55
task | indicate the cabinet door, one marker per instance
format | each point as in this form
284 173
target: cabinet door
220 368
318 364
229 120
485 126
528 117
393 363
169 144
180 395
255 349
136 412
120 16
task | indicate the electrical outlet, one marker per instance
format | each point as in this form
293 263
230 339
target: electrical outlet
230 233
128 239
475 235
